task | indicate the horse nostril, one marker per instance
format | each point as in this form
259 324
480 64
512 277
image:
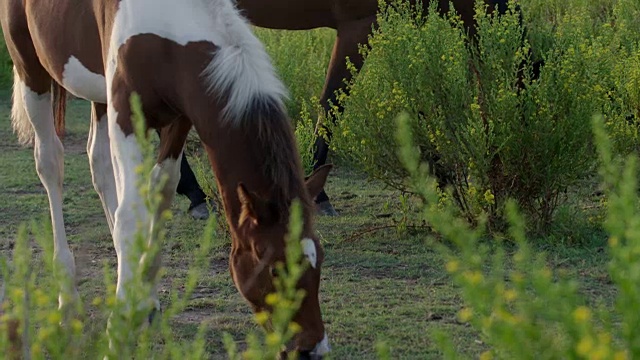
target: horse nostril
305 355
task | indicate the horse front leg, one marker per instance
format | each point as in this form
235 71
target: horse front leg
131 217
350 35
165 177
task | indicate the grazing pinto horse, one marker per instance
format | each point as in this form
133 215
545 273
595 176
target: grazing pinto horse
353 20
193 63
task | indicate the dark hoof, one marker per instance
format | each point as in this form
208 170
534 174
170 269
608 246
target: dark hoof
325 208
201 211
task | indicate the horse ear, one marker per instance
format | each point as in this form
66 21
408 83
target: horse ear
315 181
249 204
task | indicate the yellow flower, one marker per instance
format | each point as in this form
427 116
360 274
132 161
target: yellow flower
604 338
272 299
620 355
581 314
473 277
294 327
41 298
262 317
584 346
17 293
76 325
36 349
487 355
613 241
465 314
274 339
54 317
453 266
510 295
517 277
489 197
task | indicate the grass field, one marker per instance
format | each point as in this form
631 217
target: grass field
377 284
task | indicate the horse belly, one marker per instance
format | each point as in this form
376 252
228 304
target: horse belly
288 14
68 45
82 82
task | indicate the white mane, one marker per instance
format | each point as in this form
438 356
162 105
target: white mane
241 68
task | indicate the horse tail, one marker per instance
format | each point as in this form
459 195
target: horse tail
59 107
19 117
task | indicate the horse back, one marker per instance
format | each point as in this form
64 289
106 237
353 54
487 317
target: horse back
43 35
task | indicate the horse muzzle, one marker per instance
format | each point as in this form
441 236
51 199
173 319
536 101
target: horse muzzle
321 349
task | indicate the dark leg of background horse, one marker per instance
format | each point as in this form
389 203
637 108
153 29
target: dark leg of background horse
350 34
188 186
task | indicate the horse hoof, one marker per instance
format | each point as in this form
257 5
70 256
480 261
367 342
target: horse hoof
325 208
201 211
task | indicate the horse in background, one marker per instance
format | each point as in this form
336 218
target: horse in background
194 63
353 21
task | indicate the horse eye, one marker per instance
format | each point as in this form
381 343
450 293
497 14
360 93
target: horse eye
274 272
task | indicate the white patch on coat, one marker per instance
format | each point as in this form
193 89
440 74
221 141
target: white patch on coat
309 250
240 68
81 82
323 347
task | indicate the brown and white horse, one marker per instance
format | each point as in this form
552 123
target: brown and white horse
193 63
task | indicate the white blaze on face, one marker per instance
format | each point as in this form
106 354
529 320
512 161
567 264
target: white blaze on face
309 250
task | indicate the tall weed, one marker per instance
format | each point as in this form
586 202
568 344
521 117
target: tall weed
522 309
48 333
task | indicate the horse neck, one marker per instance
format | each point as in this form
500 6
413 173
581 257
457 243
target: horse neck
259 151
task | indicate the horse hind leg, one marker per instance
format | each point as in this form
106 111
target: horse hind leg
33 119
99 153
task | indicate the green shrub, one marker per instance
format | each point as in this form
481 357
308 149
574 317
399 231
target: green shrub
520 307
486 126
